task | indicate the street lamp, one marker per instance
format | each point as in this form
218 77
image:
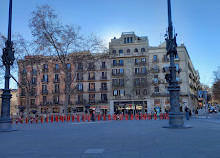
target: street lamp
8 59
175 116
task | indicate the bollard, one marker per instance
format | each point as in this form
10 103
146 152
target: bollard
104 117
155 116
161 116
126 117
47 120
16 121
132 117
11 120
89 117
78 119
109 117
73 118
41 119
51 118
26 120
99 117
83 118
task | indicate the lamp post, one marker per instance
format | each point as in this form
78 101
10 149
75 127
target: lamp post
175 116
8 59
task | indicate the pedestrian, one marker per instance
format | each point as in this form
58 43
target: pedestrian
187 112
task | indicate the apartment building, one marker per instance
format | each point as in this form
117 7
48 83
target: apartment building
43 83
143 68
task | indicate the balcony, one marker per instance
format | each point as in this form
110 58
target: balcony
91 90
140 73
103 67
55 70
44 81
56 80
117 85
118 74
92 101
155 70
79 102
45 70
155 61
33 94
23 95
79 78
44 92
103 101
79 68
79 90
91 68
103 78
56 91
140 63
103 89
159 94
118 64
91 78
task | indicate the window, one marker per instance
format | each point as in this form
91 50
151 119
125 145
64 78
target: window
144 91
143 60
32 101
136 81
122 92
91 75
143 70
92 86
114 62
24 71
131 39
114 51
138 91
155 58
114 82
45 67
156 89
80 66
33 91
80 98
44 87
121 62
121 71
57 66
56 99
92 98
34 71
136 70
104 75
143 81
114 71
80 87
127 39
155 67
44 99
142 50
120 51
128 50
104 86
155 78
115 92
45 78
68 66
34 80
124 40
79 76
136 61
177 67
104 97
135 50
56 77
166 90
103 65
57 88
121 82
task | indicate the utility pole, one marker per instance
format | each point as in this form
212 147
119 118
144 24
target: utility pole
175 116
8 59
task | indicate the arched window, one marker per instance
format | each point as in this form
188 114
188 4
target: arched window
128 51
135 50
142 49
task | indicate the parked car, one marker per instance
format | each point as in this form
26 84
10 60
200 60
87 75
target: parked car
212 110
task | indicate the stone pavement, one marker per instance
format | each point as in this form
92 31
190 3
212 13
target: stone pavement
113 139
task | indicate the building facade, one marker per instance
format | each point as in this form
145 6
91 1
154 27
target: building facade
128 79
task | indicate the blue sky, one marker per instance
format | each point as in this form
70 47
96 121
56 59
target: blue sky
197 23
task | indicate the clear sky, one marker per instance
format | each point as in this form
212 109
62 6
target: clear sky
197 23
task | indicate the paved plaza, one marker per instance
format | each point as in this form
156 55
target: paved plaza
113 139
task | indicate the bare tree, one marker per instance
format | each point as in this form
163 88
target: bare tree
60 41
216 85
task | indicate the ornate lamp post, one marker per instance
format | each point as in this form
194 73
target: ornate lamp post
175 116
8 59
